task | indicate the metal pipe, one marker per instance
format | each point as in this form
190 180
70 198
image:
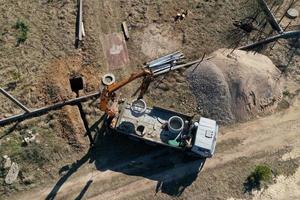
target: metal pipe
284 35
180 66
162 58
271 18
14 100
162 67
44 110
191 63
167 60
162 62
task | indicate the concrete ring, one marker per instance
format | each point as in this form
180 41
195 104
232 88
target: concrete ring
292 13
108 79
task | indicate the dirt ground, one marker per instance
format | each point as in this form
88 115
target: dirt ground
37 72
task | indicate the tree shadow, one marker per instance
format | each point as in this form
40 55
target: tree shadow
250 185
84 190
74 167
68 170
175 187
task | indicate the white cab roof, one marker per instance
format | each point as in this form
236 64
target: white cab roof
206 134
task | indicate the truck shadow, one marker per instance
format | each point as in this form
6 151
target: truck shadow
173 170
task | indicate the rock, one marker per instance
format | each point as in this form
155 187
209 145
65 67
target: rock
30 139
7 162
12 174
6 115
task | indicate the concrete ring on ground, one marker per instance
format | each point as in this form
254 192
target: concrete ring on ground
292 13
108 79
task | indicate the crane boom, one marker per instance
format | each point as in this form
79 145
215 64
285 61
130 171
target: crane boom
108 92
115 86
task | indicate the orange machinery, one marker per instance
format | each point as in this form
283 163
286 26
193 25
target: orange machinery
108 93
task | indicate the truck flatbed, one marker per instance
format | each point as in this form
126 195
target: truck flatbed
165 127
149 126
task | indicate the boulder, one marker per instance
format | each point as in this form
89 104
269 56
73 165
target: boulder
12 174
7 162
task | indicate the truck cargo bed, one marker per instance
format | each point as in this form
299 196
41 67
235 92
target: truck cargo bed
149 126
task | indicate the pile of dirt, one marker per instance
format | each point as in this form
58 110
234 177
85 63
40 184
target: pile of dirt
236 86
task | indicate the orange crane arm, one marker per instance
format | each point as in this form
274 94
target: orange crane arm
107 93
115 86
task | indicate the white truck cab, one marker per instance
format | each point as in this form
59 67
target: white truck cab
205 139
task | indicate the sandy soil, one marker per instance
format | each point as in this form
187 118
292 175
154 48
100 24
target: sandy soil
284 187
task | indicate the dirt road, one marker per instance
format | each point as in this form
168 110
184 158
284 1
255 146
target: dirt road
141 174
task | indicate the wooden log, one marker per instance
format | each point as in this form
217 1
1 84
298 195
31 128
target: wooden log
83 31
125 30
270 16
18 103
45 110
79 20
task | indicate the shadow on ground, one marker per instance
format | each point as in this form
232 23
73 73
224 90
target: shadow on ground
173 170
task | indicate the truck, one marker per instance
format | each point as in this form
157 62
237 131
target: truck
159 126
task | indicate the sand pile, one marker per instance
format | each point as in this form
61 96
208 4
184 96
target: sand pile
236 87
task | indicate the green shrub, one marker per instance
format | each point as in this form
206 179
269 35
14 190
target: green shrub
22 31
261 174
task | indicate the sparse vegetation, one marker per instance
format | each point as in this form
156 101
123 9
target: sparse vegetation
16 75
35 153
286 93
22 31
44 150
260 176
